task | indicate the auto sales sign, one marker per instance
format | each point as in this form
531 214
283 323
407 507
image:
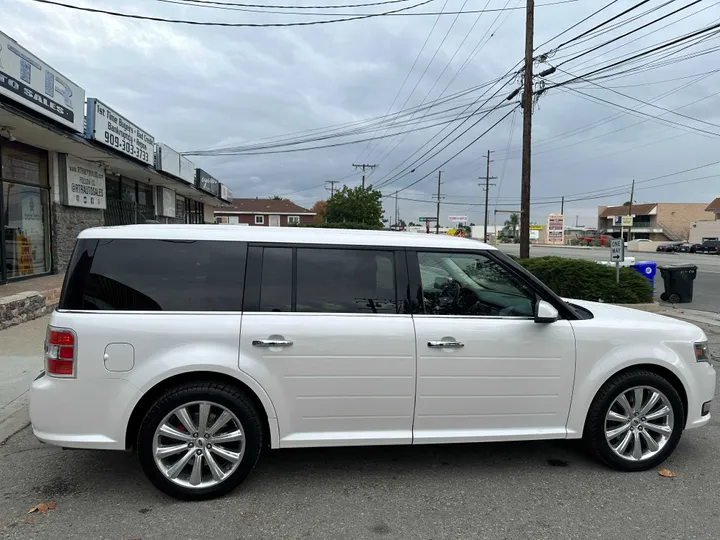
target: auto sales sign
29 81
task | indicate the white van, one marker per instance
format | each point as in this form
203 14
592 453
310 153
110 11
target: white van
198 346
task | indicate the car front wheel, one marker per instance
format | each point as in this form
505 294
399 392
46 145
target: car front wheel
635 421
200 441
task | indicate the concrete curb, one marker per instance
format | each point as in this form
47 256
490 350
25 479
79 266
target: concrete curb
653 307
692 315
14 423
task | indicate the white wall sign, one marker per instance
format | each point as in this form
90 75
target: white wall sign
111 129
187 170
166 202
457 219
167 160
85 183
26 79
225 193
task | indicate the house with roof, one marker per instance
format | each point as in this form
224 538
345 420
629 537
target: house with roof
264 213
659 222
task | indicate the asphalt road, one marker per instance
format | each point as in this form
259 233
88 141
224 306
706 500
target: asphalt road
538 490
706 294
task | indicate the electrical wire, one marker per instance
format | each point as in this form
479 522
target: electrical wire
577 24
403 14
210 3
229 24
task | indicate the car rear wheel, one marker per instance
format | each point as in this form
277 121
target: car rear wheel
635 421
200 441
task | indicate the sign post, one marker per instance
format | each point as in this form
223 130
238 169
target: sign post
617 254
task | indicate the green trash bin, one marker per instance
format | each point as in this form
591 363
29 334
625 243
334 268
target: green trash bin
678 280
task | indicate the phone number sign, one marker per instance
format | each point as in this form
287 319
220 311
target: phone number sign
107 127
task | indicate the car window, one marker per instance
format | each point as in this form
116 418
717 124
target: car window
276 279
472 284
345 281
163 275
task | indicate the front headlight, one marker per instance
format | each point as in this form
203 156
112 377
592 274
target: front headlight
702 353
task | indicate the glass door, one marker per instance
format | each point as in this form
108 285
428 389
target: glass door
3 271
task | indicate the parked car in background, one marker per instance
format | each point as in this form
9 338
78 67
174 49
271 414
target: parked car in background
710 247
688 248
669 247
269 337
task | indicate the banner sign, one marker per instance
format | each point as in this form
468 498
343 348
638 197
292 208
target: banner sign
187 170
85 183
225 193
206 182
107 127
29 81
167 160
457 219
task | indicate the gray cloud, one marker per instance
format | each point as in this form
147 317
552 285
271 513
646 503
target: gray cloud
195 87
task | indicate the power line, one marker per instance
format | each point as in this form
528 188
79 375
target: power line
576 24
403 14
209 3
228 24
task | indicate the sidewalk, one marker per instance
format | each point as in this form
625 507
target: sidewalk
22 301
21 359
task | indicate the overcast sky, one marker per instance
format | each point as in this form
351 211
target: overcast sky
196 87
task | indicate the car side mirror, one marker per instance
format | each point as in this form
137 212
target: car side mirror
545 312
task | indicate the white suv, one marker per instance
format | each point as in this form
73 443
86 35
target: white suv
197 346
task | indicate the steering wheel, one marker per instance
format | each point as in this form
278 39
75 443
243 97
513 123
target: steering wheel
449 297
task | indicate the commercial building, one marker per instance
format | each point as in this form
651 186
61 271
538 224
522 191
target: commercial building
63 171
708 229
660 222
264 213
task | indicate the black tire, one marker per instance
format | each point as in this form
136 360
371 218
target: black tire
594 433
225 395
663 297
674 299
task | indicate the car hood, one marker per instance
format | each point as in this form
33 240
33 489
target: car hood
609 315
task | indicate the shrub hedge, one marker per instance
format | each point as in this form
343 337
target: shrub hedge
587 280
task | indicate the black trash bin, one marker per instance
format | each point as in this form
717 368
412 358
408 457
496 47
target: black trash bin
678 279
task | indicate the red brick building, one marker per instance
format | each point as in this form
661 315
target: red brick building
264 213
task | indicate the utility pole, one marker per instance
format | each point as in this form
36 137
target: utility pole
437 223
486 236
332 186
562 206
397 212
632 196
527 104
363 166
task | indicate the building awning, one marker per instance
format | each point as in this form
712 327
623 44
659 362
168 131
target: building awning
33 131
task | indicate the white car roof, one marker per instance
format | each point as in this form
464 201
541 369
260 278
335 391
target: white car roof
292 235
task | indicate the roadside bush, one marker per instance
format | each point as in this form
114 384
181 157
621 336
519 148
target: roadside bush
574 242
587 280
595 242
363 226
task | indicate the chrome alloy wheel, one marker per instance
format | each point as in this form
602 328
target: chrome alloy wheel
199 444
639 423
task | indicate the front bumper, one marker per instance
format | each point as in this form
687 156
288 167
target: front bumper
701 390
82 414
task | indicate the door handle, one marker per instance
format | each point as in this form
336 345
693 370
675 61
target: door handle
445 344
272 342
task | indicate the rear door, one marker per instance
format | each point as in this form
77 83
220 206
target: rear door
326 331
486 370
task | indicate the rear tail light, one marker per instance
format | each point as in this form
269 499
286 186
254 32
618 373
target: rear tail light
60 347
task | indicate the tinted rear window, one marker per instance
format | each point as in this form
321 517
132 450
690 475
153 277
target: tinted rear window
345 281
156 275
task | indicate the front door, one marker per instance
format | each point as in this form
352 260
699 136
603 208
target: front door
274 221
486 370
324 334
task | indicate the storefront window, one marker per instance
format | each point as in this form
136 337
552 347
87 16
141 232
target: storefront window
24 211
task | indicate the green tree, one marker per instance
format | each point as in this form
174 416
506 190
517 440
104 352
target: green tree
513 223
355 205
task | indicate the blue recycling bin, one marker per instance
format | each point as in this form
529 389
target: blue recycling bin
647 269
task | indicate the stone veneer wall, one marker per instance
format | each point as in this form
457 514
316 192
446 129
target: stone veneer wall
67 223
